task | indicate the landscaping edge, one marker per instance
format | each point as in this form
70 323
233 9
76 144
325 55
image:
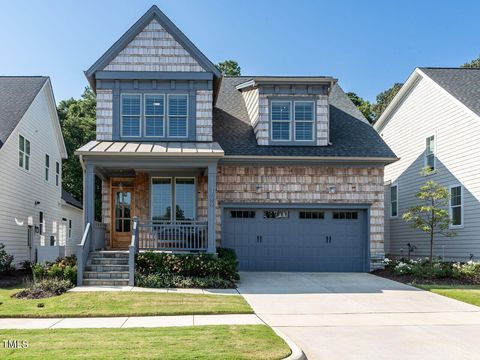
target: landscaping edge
297 353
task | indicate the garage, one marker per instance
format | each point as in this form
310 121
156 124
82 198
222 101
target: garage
297 239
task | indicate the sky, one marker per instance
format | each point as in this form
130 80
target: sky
368 45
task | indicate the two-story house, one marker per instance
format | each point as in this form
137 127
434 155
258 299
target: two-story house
38 220
283 169
434 121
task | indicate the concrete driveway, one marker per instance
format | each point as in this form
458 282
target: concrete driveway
362 316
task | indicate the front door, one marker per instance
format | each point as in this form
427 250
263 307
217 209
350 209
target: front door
122 216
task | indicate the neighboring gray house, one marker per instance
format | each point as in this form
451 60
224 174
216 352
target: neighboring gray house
434 120
285 170
35 220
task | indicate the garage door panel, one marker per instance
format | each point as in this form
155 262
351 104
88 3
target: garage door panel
297 240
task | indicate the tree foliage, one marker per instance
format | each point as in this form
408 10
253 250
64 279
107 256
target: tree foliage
77 120
472 64
384 98
430 215
229 68
363 105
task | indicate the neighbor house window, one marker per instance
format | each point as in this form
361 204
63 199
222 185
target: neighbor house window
304 120
456 205
281 119
70 229
41 223
430 153
23 153
177 115
154 115
57 173
173 193
47 167
130 115
393 200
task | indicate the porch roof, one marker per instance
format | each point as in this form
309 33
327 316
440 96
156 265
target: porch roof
144 148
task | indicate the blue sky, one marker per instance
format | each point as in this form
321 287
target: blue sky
368 45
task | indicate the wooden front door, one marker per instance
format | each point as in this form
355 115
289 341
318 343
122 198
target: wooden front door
122 216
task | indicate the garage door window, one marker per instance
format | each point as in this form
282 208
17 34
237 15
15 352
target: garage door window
275 214
242 214
345 215
311 215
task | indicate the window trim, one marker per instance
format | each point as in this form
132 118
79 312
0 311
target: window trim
450 208
272 102
46 176
394 185
24 153
144 117
434 152
187 116
121 116
313 121
174 196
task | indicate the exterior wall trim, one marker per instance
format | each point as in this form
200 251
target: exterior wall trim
153 75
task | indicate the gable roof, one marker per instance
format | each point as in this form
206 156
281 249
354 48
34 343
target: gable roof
153 13
16 95
461 83
350 133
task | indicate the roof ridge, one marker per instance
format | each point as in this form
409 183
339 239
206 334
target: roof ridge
449 68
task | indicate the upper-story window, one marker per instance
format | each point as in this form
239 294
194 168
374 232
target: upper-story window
430 153
158 115
47 167
394 201
57 173
456 205
292 120
23 153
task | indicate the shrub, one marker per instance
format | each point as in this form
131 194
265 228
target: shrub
5 260
469 271
44 288
62 268
432 270
26 265
177 281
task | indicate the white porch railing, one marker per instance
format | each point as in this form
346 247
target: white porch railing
174 236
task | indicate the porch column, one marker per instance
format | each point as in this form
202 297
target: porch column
212 207
89 197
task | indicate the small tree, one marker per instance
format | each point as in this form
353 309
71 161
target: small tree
229 68
431 216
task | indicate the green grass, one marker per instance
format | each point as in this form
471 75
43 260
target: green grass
88 304
469 294
202 342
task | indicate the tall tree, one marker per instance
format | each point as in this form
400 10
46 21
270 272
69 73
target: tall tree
430 215
472 64
363 105
77 120
384 99
229 68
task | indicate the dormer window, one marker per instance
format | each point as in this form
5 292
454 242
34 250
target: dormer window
292 121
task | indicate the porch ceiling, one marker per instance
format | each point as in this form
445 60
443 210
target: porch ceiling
157 149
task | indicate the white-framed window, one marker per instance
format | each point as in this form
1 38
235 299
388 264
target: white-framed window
281 118
41 223
177 115
70 228
173 199
47 167
456 206
304 120
430 161
130 114
394 201
154 115
57 173
23 152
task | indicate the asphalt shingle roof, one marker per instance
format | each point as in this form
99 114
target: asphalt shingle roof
461 83
69 199
350 133
16 95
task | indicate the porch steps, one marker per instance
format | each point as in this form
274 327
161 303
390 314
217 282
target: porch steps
106 268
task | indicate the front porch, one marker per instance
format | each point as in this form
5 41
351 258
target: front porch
151 199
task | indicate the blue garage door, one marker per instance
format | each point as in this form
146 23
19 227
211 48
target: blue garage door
284 239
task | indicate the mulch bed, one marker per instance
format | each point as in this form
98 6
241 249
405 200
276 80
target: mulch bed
14 278
412 280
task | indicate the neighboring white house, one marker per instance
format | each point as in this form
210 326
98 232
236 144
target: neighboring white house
434 120
33 213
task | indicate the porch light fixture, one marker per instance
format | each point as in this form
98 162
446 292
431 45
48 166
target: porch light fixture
37 203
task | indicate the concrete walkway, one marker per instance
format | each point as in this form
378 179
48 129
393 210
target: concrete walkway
130 322
362 316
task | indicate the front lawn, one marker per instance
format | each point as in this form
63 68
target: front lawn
202 342
468 294
91 304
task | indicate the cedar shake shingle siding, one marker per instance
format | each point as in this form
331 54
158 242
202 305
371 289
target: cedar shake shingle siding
104 114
